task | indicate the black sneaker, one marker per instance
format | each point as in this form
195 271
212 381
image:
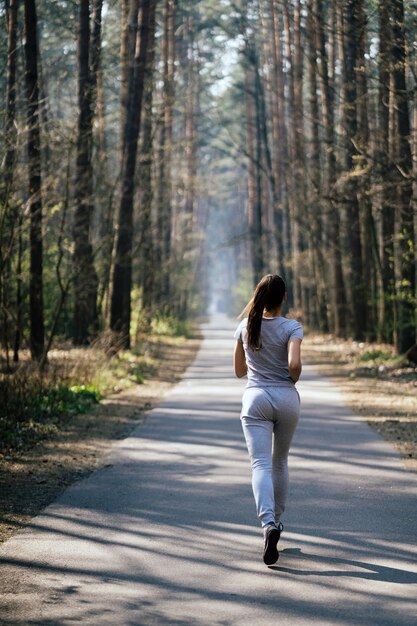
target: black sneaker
272 535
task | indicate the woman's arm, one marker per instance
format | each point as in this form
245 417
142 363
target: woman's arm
241 369
294 358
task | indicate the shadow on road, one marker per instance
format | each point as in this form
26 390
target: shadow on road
374 572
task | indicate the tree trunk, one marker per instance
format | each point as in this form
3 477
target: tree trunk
404 168
7 212
103 227
10 129
147 236
164 191
279 136
294 190
85 320
190 115
95 52
386 313
357 290
19 300
37 333
124 68
370 255
258 228
253 149
414 150
120 308
337 288
316 224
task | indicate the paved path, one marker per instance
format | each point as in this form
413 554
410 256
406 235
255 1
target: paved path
167 534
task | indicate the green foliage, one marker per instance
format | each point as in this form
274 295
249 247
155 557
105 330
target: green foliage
34 406
170 326
76 399
374 355
31 410
135 365
383 357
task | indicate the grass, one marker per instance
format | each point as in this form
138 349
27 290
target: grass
383 359
170 326
35 405
374 356
361 359
31 410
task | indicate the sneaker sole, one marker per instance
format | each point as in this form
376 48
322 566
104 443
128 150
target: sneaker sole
271 553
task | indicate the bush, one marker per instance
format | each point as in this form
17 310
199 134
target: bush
34 405
169 326
374 355
30 409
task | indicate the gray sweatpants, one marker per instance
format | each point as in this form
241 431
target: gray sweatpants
269 418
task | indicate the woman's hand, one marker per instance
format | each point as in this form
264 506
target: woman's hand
294 358
239 359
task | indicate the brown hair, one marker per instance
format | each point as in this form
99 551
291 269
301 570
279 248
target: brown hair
269 294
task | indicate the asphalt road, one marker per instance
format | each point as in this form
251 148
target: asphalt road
167 534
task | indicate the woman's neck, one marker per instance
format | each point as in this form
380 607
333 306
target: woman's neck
273 313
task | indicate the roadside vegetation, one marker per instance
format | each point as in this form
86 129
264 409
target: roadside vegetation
50 451
36 403
376 383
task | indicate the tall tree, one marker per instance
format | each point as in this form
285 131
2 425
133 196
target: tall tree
147 269
370 252
10 127
120 306
404 167
190 116
7 217
279 150
37 332
336 282
293 58
85 278
254 155
125 54
357 287
319 297
387 295
164 188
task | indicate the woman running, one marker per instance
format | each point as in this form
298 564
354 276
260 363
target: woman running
268 350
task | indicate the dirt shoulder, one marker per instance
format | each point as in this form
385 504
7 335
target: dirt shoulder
30 480
374 385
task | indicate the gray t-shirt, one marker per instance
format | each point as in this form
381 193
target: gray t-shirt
268 367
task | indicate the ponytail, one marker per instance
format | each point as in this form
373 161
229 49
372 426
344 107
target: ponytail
255 318
269 294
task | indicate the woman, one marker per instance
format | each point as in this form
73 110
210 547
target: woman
268 350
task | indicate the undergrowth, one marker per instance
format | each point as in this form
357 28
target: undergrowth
379 357
31 410
170 326
35 405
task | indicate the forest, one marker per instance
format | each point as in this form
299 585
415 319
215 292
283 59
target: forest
158 157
